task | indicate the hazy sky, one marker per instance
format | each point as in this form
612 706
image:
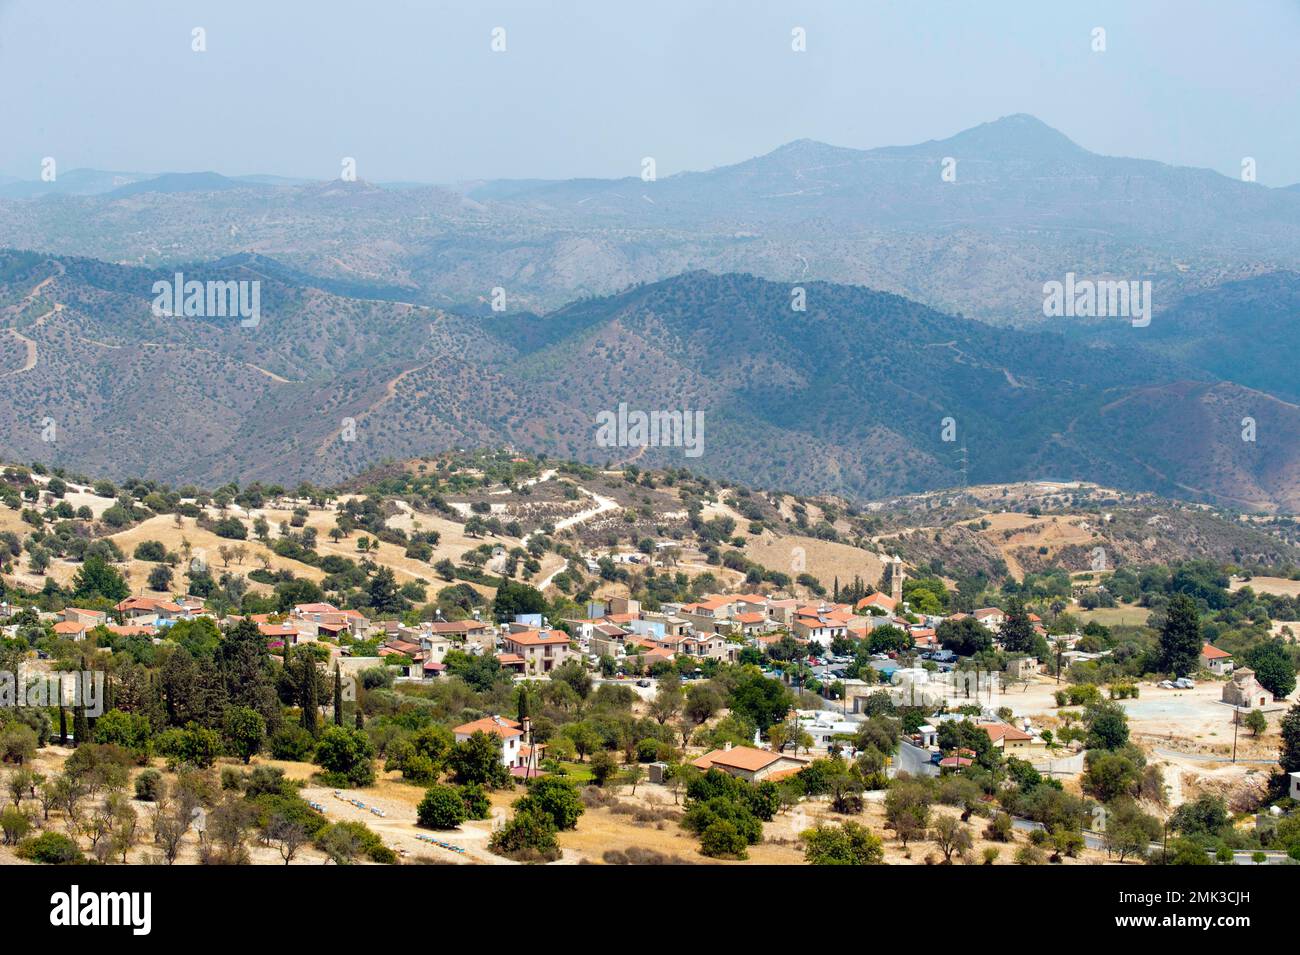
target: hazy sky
413 91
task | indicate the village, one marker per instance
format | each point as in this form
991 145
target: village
872 712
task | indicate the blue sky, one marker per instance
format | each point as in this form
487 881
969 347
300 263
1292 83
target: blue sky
413 91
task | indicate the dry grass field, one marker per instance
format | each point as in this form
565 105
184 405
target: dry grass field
825 560
619 821
1280 586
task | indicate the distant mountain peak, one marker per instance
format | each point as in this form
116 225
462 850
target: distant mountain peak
1019 135
797 152
179 182
802 146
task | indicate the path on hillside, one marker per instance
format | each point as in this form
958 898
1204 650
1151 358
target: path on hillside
603 506
398 829
390 393
30 361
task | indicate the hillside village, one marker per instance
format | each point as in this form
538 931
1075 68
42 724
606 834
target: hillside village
490 659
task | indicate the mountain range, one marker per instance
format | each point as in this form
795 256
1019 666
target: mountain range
1024 205
851 396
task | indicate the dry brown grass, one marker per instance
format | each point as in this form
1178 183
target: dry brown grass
825 560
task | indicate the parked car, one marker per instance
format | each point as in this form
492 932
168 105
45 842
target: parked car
643 682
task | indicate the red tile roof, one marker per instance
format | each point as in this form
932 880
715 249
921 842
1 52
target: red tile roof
131 631
738 757
504 727
536 638
1003 731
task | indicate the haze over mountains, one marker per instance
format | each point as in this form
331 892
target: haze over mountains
1027 206
847 397
674 294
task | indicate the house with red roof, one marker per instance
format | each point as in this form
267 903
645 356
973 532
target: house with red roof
93 618
877 603
750 764
515 752
820 626
991 617
71 629
1007 738
279 634
542 650
132 630
148 610
1218 662
750 622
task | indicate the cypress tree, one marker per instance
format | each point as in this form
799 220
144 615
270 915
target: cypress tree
338 697
1180 638
308 690
1290 749
155 706
361 720
63 725
80 727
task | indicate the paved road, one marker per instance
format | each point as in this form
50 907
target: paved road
1095 840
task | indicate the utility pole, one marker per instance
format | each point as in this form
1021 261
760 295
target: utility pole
1236 721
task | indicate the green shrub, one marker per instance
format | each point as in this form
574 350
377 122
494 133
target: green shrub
475 798
441 808
51 848
148 785
722 840
554 798
195 745
1029 855
345 754
345 841
849 844
720 808
293 743
528 837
